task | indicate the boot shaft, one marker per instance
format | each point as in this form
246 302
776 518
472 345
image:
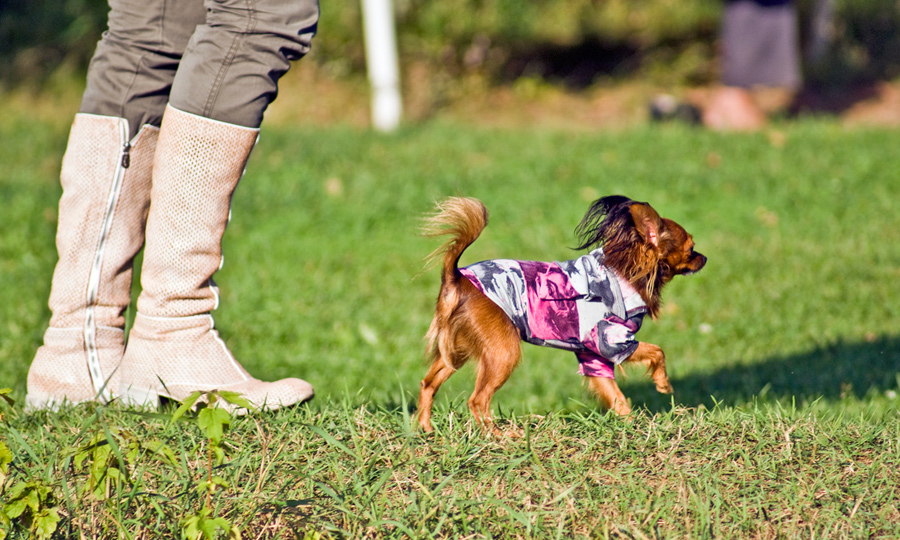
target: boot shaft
197 168
102 215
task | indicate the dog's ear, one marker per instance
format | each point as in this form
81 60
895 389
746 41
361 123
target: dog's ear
647 222
605 220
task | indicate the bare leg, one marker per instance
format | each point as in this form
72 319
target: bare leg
733 109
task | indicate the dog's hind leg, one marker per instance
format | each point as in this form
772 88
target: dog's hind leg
494 368
436 376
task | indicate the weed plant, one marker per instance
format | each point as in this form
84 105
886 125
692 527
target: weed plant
783 351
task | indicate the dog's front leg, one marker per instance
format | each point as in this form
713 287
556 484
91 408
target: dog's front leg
608 393
655 361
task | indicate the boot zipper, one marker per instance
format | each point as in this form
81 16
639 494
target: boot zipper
126 155
98 378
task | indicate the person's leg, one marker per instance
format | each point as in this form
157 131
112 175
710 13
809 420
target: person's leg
131 72
105 177
232 65
733 108
227 78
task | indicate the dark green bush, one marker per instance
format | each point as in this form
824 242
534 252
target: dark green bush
866 42
574 41
492 36
38 36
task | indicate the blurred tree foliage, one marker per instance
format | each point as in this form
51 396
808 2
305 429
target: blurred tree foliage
572 41
865 42
39 36
575 42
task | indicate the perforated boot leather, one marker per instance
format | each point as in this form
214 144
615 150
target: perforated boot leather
102 213
173 348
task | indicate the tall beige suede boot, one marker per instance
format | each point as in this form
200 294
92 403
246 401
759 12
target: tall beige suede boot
102 213
173 348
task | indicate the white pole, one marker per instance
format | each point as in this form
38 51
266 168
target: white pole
381 58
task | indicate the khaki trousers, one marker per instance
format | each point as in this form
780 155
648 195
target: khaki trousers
220 59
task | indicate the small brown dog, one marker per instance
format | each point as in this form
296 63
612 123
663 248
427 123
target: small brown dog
592 305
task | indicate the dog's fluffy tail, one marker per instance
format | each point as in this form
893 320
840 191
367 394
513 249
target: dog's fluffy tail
462 219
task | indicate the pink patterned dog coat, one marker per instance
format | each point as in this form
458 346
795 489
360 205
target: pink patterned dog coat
578 305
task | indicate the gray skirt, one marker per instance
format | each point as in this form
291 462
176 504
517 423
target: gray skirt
760 44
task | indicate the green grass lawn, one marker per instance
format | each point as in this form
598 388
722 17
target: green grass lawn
784 351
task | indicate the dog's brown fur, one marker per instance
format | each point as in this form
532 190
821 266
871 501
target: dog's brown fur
643 248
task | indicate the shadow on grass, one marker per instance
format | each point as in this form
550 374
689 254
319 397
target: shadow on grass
832 372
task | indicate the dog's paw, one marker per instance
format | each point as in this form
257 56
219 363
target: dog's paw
664 388
509 433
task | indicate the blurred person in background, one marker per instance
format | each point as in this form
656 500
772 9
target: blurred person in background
175 96
760 50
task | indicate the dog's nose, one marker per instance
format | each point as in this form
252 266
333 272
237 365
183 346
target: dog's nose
702 258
